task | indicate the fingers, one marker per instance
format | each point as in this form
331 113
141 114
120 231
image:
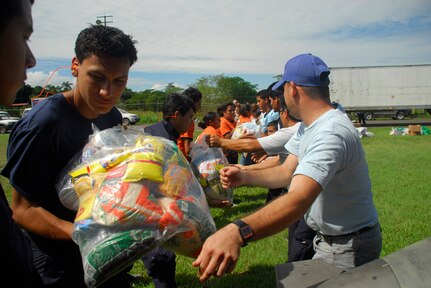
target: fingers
208 140
206 270
214 268
225 267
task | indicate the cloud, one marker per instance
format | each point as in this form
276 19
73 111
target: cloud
162 86
243 37
40 78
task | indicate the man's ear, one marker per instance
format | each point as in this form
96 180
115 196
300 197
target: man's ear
74 67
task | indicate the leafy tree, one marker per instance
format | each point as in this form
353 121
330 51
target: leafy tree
127 94
23 95
66 86
220 88
37 90
171 88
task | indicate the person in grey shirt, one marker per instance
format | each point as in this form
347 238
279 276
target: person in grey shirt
329 183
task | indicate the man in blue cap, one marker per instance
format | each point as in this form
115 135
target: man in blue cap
328 176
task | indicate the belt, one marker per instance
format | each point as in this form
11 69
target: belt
352 234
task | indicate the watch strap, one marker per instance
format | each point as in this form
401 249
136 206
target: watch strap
244 230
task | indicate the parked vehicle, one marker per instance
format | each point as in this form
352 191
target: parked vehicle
394 114
6 114
6 123
26 110
382 91
129 118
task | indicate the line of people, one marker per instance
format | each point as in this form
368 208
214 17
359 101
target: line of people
322 166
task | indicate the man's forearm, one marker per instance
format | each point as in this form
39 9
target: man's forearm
241 145
286 209
270 177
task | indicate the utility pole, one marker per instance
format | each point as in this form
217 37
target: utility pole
106 19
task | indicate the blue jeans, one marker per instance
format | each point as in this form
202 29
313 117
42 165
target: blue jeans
348 252
246 159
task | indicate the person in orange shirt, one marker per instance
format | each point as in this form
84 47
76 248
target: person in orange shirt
245 116
185 139
245 113
227 125
210 125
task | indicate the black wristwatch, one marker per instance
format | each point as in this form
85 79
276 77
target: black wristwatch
244 230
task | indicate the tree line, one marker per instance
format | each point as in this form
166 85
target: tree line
216 89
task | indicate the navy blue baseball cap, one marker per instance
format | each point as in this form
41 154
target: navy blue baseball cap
305 70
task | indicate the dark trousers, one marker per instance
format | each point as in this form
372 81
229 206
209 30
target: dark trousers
300 241
361 118
232 157
56 275
274 193
160 264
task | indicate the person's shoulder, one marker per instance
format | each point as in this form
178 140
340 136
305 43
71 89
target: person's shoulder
152 126
51 107
46 114
157 129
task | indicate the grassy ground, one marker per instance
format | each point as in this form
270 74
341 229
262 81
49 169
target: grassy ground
401 179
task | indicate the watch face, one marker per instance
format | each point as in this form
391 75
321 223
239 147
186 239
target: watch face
246 232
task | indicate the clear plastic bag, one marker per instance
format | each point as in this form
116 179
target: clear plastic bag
206 163
132 192
247 128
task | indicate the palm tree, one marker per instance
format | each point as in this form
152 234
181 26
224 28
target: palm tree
66 86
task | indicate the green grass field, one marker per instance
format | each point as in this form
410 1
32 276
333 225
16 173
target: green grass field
401 179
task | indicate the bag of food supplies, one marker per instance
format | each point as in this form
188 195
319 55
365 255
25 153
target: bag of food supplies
132 192
250 129
206 163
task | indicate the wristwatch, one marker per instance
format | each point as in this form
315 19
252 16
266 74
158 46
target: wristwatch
244 230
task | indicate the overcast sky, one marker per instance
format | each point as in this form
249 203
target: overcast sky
180 41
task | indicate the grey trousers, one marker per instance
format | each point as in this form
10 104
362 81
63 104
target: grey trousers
349 251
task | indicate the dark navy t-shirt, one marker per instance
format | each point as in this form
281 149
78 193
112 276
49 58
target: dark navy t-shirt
40 146
15 250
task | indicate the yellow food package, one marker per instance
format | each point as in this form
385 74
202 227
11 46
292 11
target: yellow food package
144 165
100 166
85 190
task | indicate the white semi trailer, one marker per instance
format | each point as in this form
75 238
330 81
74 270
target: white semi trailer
382 90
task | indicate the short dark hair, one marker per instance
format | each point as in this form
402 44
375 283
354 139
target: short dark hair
177 102
282 102
193 93
10 9
263 94
273 123
210 116
283 107
223 107
103 41
277 93
244 109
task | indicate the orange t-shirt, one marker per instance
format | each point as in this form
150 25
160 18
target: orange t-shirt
186 135
243 119
210 130
226 126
